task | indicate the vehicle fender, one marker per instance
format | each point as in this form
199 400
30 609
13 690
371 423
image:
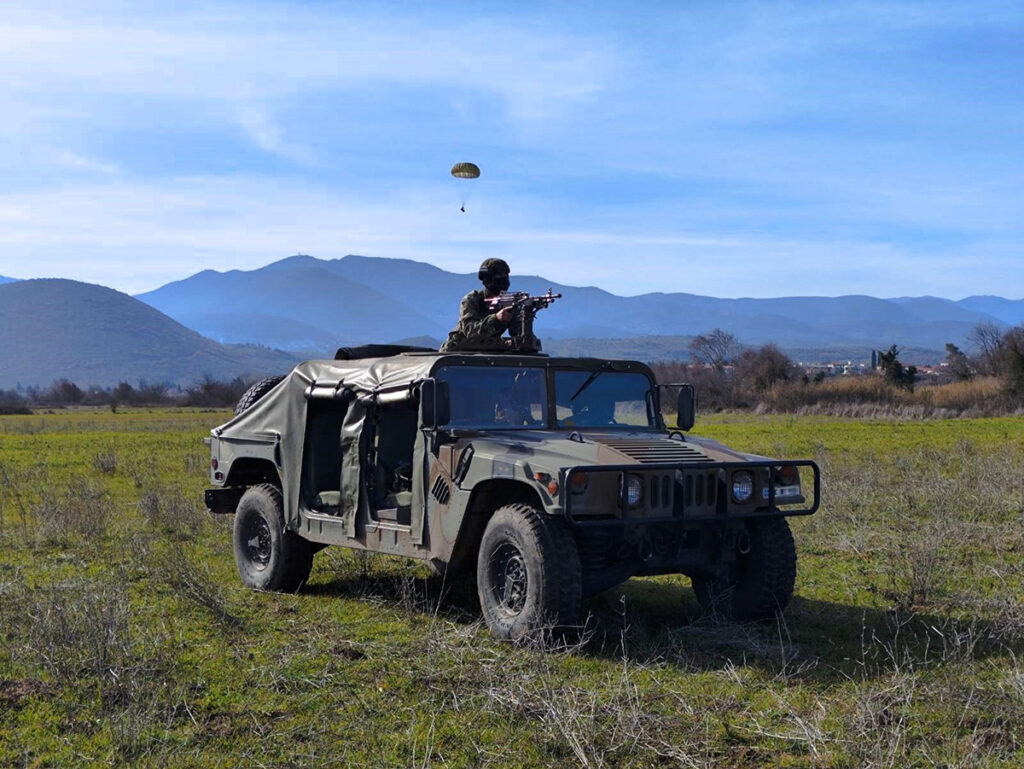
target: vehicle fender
486 497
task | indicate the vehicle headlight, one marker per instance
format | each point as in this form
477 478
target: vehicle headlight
634 490
742 487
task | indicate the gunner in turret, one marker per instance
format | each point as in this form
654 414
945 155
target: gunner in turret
480 326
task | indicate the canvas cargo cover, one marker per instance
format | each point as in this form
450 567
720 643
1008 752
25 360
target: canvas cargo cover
280 417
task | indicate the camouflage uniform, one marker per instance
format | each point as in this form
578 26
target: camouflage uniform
478 327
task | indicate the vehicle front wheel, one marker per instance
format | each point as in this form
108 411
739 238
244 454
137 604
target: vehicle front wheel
528 573
760 584
268 557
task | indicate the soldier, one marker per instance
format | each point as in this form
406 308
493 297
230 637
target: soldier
480 327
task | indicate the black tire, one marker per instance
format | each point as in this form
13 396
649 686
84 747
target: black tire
268 557
528 573
256 392
760 584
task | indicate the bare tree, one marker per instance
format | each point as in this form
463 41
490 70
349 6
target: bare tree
715 348
987 341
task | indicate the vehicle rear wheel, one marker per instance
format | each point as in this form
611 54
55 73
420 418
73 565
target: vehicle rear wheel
257 391
760 584
268 556
528 573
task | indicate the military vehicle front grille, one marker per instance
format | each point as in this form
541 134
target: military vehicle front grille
441 491
699 490
660 493
666 450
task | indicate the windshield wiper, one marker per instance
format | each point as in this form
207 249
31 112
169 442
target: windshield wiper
590 379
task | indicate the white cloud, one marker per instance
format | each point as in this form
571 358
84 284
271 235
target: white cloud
136 237
277 51
247 64
76 162
261 128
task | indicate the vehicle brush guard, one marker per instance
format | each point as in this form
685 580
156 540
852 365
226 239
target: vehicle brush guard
686 505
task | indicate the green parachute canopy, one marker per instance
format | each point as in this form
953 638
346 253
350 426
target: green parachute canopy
466 171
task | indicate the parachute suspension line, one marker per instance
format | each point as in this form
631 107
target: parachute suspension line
466 171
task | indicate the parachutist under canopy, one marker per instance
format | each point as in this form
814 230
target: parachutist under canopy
465 171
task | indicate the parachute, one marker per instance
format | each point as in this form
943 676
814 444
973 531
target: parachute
466 171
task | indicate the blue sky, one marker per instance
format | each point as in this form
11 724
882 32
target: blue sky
718 148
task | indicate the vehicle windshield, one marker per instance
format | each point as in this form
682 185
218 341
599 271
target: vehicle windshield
512 397
496 397
603 399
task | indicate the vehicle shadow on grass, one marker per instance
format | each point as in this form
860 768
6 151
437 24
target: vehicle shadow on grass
452 597
814 640
648 623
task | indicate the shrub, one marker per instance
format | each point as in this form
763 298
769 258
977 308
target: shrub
982 395
171 511
894 371
760 370
63 393
105 461
714 386
958 364
12 403
83 510
1012 361
213 394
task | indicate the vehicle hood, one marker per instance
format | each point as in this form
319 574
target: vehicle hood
544 450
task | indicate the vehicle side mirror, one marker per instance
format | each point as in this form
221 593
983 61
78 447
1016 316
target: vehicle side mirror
686 407
435 403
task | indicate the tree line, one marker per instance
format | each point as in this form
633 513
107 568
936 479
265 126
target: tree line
728 375
208 393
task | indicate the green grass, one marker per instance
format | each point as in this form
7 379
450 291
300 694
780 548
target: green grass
126 637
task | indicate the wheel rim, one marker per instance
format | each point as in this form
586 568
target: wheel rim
509 579
258 542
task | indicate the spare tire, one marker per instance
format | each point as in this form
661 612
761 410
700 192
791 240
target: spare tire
256 392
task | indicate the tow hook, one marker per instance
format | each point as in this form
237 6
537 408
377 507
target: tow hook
734 542
646 549
743 542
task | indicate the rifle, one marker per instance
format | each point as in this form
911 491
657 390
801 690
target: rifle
517 299
524 308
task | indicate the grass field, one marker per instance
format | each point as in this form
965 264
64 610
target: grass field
126 637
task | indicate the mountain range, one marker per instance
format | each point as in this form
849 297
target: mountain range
250 323
52 329
311 305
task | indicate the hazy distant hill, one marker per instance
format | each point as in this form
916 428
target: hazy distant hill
1010 311
309 304
4 279
298 304
89 334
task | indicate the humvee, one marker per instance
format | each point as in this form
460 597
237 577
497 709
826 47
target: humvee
552 478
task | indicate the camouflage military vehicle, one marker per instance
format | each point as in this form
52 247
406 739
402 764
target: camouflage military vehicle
552 478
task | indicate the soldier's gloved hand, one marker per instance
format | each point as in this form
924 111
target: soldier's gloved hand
504 314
